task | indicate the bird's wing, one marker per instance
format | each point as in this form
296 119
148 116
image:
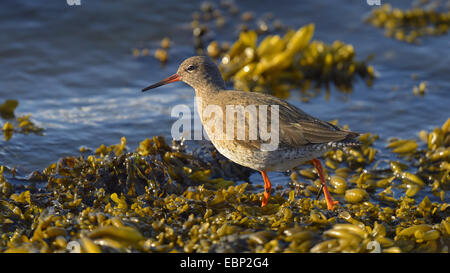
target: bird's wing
296 128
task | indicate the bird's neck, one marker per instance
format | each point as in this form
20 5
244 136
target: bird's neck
209 90
206 96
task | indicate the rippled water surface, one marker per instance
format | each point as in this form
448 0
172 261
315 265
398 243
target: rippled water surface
73 70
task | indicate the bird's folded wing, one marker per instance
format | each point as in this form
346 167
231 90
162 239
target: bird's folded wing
298 128
310 132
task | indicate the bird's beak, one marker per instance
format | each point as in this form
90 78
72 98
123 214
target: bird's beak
173 78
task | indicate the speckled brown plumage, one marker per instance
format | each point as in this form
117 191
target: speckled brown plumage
301 136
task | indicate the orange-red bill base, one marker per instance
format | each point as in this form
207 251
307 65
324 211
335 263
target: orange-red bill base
173 78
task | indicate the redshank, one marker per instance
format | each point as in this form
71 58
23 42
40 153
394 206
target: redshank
301 137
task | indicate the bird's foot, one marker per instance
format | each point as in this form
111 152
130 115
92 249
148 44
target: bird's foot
330 205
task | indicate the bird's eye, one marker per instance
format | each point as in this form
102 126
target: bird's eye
190 68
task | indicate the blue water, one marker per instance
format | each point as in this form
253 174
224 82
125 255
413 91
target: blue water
72 69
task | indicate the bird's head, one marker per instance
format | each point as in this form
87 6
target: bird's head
199 72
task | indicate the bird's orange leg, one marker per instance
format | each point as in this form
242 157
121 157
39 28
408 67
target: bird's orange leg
330 202
267 188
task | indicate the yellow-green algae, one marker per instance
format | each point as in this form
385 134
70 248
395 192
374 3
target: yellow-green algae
165 199
280 63
13 124
409 25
